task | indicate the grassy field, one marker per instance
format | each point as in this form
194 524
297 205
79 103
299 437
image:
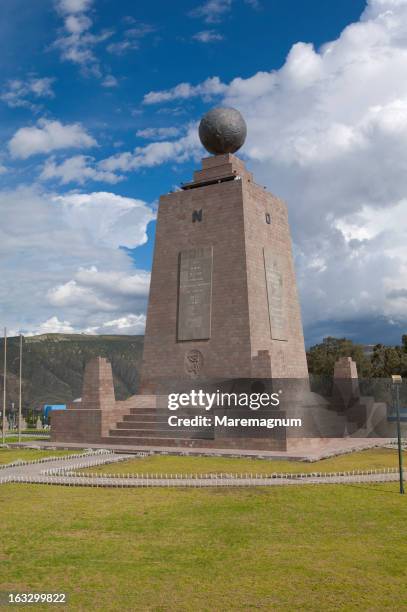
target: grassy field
7 455
286 548
363 460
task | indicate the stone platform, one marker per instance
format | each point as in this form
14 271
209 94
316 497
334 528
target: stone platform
141 422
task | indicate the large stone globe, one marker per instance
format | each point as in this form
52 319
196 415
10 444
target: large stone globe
222 130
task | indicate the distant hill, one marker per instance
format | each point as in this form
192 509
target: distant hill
53 366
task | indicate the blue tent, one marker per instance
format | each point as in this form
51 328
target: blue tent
47 408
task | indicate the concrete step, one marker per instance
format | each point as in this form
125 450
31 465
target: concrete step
159 433
142 401
210 443
150 425
141 433
149 411
137 441
147 418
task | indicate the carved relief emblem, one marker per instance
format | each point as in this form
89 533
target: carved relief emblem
193 362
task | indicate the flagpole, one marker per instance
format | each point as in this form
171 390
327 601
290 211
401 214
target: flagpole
20 388
4 387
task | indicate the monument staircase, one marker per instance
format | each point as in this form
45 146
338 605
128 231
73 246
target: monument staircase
146 423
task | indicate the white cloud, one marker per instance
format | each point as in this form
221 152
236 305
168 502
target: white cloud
123 46
61 266
110 81
328 132
212 11
129 324
111 220
78 49
48 136
72 294
73 6
76 43
210 87
100 291
116 283
158 133
77 169
54 326
77 24
155 153
19 93
82 168
131 39
207 36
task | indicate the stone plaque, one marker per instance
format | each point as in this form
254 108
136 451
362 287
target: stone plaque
194 294
275 295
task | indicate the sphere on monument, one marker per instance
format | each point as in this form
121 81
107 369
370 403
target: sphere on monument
222 130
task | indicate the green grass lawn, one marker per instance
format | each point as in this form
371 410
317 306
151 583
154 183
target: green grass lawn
293 548
7 455
363 460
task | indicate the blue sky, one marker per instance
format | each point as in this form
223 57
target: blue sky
99 102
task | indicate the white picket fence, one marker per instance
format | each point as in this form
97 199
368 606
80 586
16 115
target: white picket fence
223 475
87 453
69 477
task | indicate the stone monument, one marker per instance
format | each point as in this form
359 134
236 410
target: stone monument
223 311
223 298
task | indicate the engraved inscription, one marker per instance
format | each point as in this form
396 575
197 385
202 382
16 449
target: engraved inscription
194 294
275 295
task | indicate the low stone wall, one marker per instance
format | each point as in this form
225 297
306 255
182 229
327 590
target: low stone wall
80 425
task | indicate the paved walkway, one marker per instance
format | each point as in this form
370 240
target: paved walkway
308 450
60 471
41 467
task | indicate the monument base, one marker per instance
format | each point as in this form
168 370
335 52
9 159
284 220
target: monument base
146 421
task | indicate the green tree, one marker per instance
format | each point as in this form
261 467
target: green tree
322 357
388 360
